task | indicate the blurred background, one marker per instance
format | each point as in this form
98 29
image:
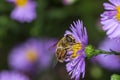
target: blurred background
53 18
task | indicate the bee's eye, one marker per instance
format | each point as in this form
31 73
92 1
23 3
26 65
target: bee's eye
69 38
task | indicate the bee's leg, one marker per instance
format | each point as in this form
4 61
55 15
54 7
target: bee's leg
61 53
68 48
58 53
64 53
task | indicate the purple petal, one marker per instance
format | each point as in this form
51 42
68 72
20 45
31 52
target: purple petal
115 2
108 6
112 29
26 13
116 33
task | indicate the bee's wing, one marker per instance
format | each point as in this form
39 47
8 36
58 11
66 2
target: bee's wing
54 61
52 46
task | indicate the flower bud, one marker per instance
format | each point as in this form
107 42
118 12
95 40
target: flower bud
115 77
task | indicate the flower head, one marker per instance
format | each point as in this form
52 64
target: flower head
12 75
76 54
47 51
110 19
24 57
25 10
68 2
110 61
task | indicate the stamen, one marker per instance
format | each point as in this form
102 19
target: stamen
21 2
118 13
31 55
76 47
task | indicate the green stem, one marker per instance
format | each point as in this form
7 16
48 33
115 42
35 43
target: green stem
91 51
109 52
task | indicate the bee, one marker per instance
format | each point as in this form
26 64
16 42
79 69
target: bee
63 46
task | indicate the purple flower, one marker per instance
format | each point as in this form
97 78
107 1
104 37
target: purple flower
111 62
25 10
24 57
76 62
47 52
110 19
12 75
68 2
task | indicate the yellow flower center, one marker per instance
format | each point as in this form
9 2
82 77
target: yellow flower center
21 2
118 13
31 55
76 47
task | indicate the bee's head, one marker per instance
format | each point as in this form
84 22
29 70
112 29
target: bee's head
70 39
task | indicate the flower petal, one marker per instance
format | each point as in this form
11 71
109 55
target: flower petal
108 6
115 2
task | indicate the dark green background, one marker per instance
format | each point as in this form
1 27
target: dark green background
53 18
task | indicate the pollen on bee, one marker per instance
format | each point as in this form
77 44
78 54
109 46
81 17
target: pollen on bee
76 47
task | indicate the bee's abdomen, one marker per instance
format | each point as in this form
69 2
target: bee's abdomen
60 54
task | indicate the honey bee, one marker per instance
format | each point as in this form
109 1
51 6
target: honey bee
63 46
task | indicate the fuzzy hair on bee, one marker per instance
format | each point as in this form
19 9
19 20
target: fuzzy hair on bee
63 46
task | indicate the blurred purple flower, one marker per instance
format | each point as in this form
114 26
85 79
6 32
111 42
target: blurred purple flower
46 52
110 19
111 62
25 57
11 75
68 2
25 10
76 63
